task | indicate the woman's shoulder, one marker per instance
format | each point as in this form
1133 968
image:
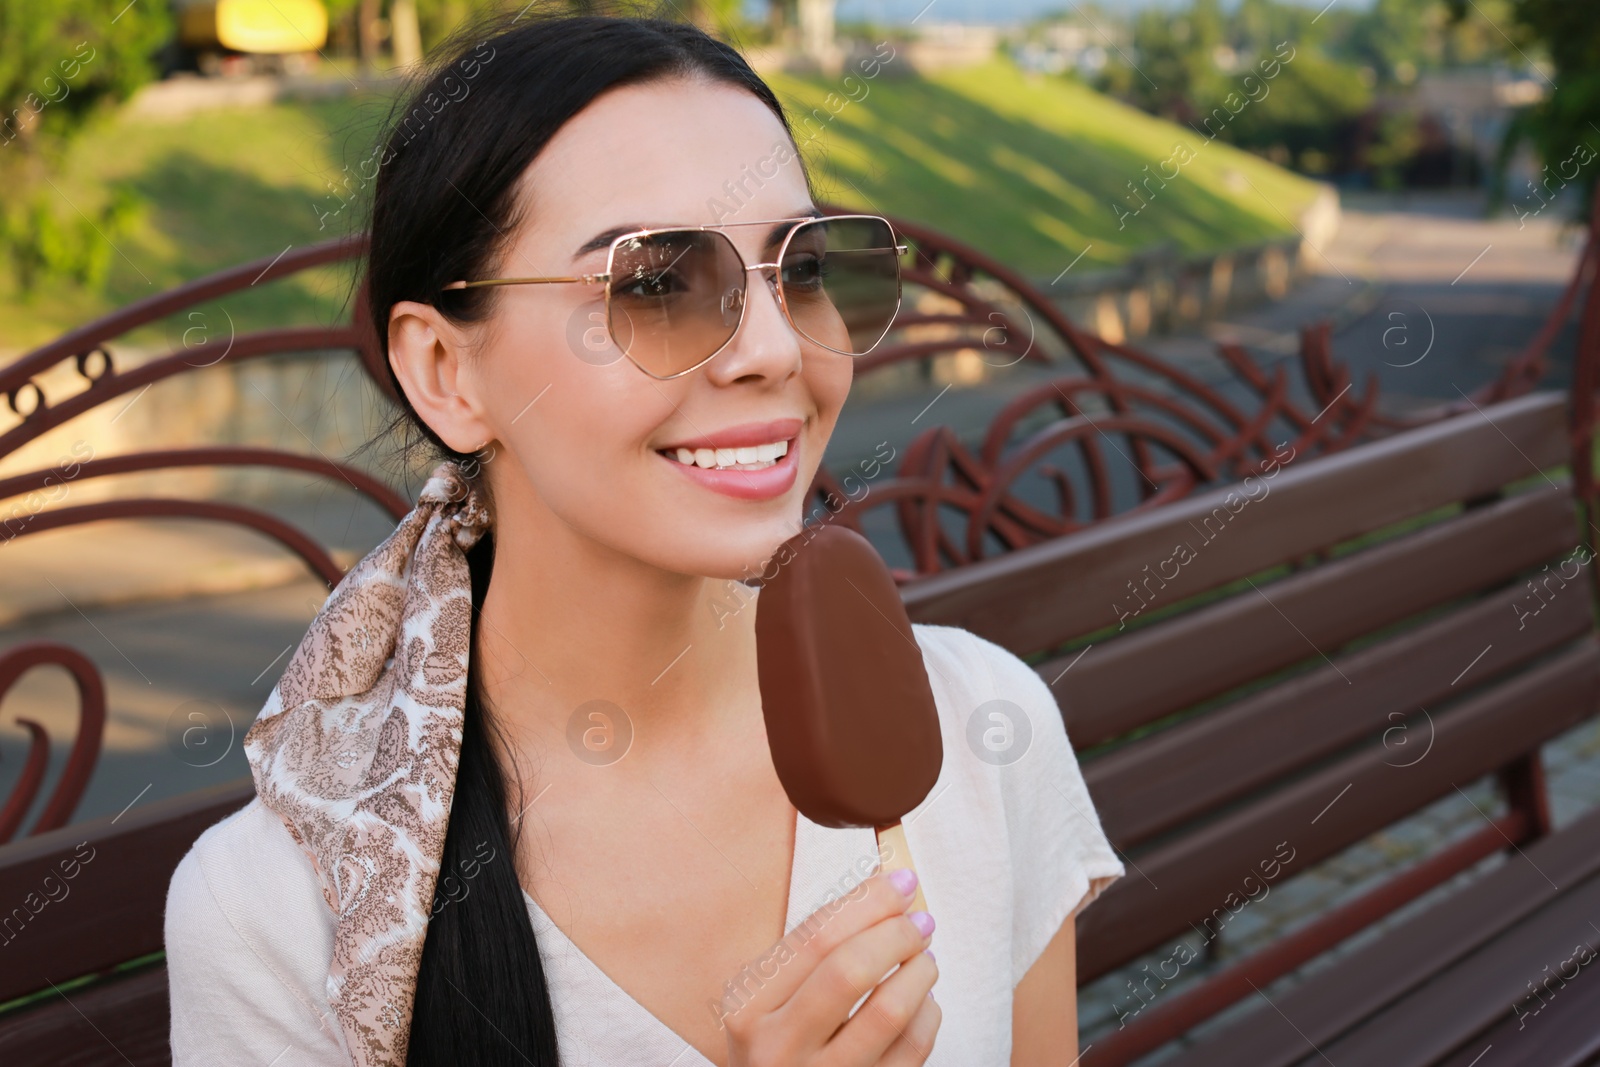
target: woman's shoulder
249 859
962 662
246 924
1017 782
998 715
995 711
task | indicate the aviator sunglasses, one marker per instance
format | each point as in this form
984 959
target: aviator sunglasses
674 297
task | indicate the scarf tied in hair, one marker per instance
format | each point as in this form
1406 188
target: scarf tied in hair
356 750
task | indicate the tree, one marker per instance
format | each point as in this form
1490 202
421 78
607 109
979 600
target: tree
1257 77
1173 66
61 64
1564 127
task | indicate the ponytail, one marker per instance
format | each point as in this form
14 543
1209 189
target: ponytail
481 995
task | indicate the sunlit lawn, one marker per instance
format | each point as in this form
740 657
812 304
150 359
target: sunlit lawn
1033 171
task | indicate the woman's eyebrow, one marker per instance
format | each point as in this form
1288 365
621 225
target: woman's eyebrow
604 239
775 237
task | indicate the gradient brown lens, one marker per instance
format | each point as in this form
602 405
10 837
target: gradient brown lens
841 282
675 298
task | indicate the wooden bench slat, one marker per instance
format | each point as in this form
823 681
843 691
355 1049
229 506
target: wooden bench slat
1563 1034
1453 1006
1037 597
1182 882
1405 958
124 1019
114 904
1218 646
1167 779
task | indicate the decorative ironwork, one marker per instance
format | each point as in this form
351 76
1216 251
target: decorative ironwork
85 748
1114 407
101 381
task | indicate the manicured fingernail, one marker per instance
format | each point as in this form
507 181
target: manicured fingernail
904 879
931 956
922 921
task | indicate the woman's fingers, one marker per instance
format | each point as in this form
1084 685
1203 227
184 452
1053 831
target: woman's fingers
912 1048
886 1016
855 966
759 1005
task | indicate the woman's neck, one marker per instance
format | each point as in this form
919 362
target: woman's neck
568 620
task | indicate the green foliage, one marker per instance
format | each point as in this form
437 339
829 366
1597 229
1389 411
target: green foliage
1396 142
218 187
45 241
1567 121
1257 77
59 61
1184 62
1399 39
1304 108
438 19
61 64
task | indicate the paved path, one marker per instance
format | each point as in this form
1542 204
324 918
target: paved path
1422 291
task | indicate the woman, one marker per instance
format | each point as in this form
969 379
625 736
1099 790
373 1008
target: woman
440 867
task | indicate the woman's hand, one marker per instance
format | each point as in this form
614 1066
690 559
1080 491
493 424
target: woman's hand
792 1006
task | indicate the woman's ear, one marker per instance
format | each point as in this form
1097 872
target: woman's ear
426 352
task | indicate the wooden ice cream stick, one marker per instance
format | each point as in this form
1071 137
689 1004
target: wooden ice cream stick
894 853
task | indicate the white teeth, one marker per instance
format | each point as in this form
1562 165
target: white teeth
750 457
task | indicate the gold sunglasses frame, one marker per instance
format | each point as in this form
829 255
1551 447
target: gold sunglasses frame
604 278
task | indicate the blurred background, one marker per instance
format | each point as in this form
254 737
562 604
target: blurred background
1415 174
149 145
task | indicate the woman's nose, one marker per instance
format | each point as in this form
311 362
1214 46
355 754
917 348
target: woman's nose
765 344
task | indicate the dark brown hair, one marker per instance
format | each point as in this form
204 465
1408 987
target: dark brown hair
444 205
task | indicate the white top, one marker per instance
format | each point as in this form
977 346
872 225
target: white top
1007 846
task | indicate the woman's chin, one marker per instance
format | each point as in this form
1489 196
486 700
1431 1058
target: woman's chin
741 561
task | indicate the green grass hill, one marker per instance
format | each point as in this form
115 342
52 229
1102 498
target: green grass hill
1030 170
1033 170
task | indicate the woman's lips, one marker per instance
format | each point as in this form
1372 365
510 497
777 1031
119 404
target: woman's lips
763 484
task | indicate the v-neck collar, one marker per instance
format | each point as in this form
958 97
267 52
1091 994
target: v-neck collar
823 859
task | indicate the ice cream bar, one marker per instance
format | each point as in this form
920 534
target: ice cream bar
850 715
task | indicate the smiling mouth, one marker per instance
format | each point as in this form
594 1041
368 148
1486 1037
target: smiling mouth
745 458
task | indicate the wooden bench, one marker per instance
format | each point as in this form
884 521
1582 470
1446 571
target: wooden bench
1266 674
960 513
89 899
1200 803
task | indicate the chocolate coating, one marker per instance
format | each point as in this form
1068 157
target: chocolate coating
851 720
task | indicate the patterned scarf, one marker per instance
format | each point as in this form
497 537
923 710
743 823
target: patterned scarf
356 750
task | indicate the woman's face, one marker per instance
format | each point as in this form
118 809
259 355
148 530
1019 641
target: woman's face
582 433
